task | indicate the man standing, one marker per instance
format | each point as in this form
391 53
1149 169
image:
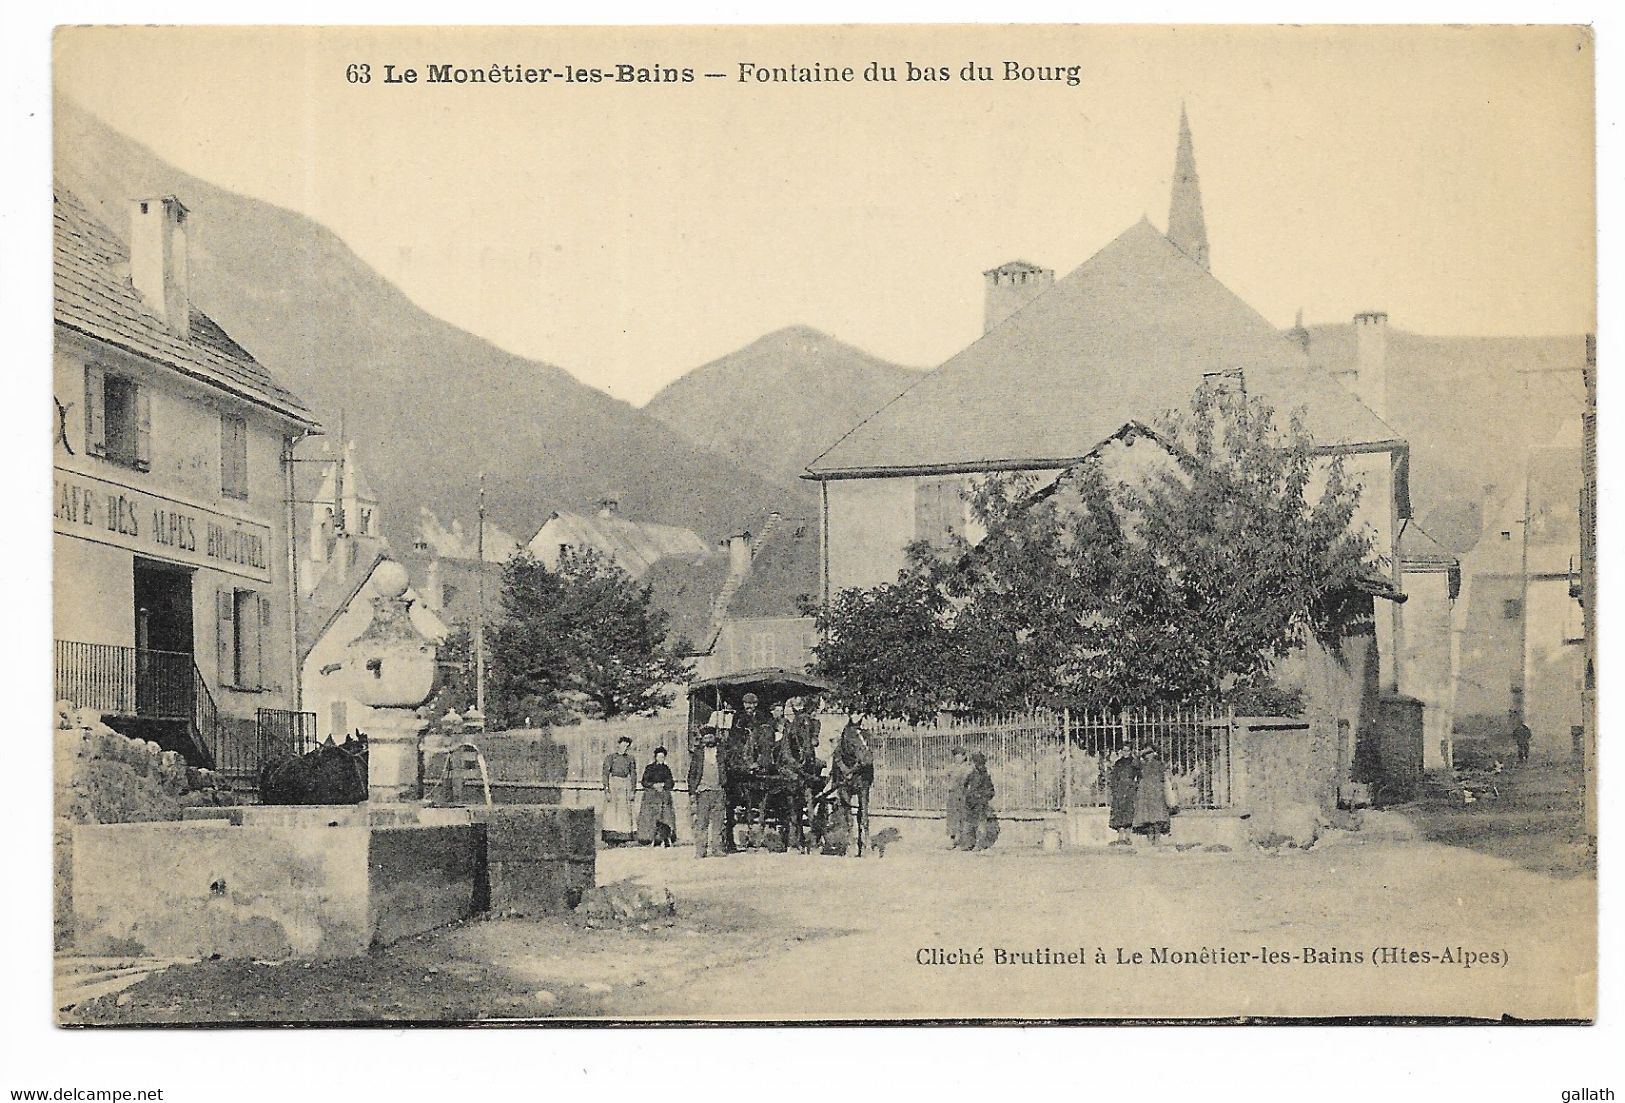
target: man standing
1522 736
707 786
749 735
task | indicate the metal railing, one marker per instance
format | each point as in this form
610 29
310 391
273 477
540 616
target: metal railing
282 732
144 684
1045 762
124 681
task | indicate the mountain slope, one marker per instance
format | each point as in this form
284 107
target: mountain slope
777 403
1470 407
429 404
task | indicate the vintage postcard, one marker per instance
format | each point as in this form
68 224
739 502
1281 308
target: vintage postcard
824 524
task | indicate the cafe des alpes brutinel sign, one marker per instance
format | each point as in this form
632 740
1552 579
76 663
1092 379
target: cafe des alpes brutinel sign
106 512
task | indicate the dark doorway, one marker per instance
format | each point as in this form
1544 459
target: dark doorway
163 641
163 607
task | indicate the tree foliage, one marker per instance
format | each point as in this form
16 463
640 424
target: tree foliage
581 639
1186 578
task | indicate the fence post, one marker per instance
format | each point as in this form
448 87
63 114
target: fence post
1066 760
919 790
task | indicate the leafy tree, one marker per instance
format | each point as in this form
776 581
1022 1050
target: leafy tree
1186 581
583 638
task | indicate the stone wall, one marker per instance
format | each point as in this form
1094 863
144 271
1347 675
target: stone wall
320 881
1286 774
103 777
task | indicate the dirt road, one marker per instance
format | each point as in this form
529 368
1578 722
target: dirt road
776 936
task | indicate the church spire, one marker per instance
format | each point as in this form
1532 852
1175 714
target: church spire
1186 226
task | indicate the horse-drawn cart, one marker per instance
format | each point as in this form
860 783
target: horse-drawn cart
780 788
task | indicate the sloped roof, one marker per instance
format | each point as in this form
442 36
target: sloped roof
325 606
783 570
1128 334
635 545
331 596
94 297
687 590
1417 547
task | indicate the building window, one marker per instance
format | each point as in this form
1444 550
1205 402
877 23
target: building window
939 510
118 419
233 456
338 719
763 651
1512 608
243 637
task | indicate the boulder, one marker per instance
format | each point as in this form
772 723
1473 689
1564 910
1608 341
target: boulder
626 902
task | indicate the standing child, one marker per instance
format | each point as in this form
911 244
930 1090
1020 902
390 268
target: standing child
978 799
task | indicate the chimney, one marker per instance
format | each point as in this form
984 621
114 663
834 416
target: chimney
739 554
1298 335
1371 360
1012 286
609 505
158 259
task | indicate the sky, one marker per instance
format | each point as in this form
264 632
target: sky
631 232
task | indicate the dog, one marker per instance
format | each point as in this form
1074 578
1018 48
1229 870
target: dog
880 840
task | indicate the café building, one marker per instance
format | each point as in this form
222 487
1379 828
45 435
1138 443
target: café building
172 488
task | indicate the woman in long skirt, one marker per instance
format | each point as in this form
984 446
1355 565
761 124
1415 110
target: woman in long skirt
620 780
1123 787
1151 816
657 819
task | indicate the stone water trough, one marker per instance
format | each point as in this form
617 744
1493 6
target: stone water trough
326 881
319 882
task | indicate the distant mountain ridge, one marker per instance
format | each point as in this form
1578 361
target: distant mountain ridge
430 405
776 404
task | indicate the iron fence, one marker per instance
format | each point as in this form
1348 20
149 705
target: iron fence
280 732
167 686
125 681
1045 762
1039 762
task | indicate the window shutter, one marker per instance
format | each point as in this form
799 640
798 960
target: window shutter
228 453
95 411
226 637
233 456
338 722
143 429
264 644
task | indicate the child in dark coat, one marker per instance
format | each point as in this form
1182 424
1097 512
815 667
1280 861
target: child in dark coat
978 799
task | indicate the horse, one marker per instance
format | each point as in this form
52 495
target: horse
332 773
852 775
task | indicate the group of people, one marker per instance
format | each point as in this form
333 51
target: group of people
656 820
779 750
776 752
1141 799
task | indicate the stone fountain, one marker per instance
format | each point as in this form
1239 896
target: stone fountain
333 880
391 669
